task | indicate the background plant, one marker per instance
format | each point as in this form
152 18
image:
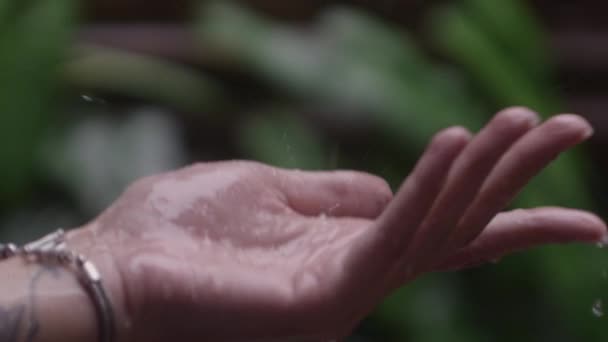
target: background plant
348 89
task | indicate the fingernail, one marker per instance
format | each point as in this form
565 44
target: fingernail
534 119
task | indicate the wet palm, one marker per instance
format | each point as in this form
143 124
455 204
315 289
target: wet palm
240 251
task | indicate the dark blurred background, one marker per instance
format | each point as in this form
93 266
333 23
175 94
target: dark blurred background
94 94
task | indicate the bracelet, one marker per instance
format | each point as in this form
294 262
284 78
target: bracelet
52 249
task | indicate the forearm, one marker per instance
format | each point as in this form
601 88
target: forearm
43 303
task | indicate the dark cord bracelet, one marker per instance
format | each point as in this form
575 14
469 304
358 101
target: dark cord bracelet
52 249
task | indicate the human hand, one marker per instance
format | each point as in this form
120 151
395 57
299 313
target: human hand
241 251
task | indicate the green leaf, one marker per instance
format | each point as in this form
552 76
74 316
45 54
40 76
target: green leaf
351 61
507 81
513 25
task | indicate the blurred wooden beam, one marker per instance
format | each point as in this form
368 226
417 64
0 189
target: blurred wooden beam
406 12
584 50
176 42
173 41
595 109
121 10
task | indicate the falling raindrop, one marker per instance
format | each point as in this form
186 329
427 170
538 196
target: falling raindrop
92 99
597 308
603 242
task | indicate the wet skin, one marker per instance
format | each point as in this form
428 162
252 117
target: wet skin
241 251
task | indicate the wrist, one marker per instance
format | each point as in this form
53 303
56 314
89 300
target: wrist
47 303
84 241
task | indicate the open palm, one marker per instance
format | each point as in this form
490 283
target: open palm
241 251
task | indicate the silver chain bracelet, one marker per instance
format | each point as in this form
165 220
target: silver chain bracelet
52 249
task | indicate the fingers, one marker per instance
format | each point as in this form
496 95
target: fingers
522 229
335 193
375 254
400 220
465 179
523 161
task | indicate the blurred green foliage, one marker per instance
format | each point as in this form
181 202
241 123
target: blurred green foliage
33 40
144 77
348 90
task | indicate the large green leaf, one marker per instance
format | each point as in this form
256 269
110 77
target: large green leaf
349 61
489 53
457 32
513 26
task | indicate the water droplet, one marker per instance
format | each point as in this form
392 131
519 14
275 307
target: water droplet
603 242
598 308
495 261
92 99
333 208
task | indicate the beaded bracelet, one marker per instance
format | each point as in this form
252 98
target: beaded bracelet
52 249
